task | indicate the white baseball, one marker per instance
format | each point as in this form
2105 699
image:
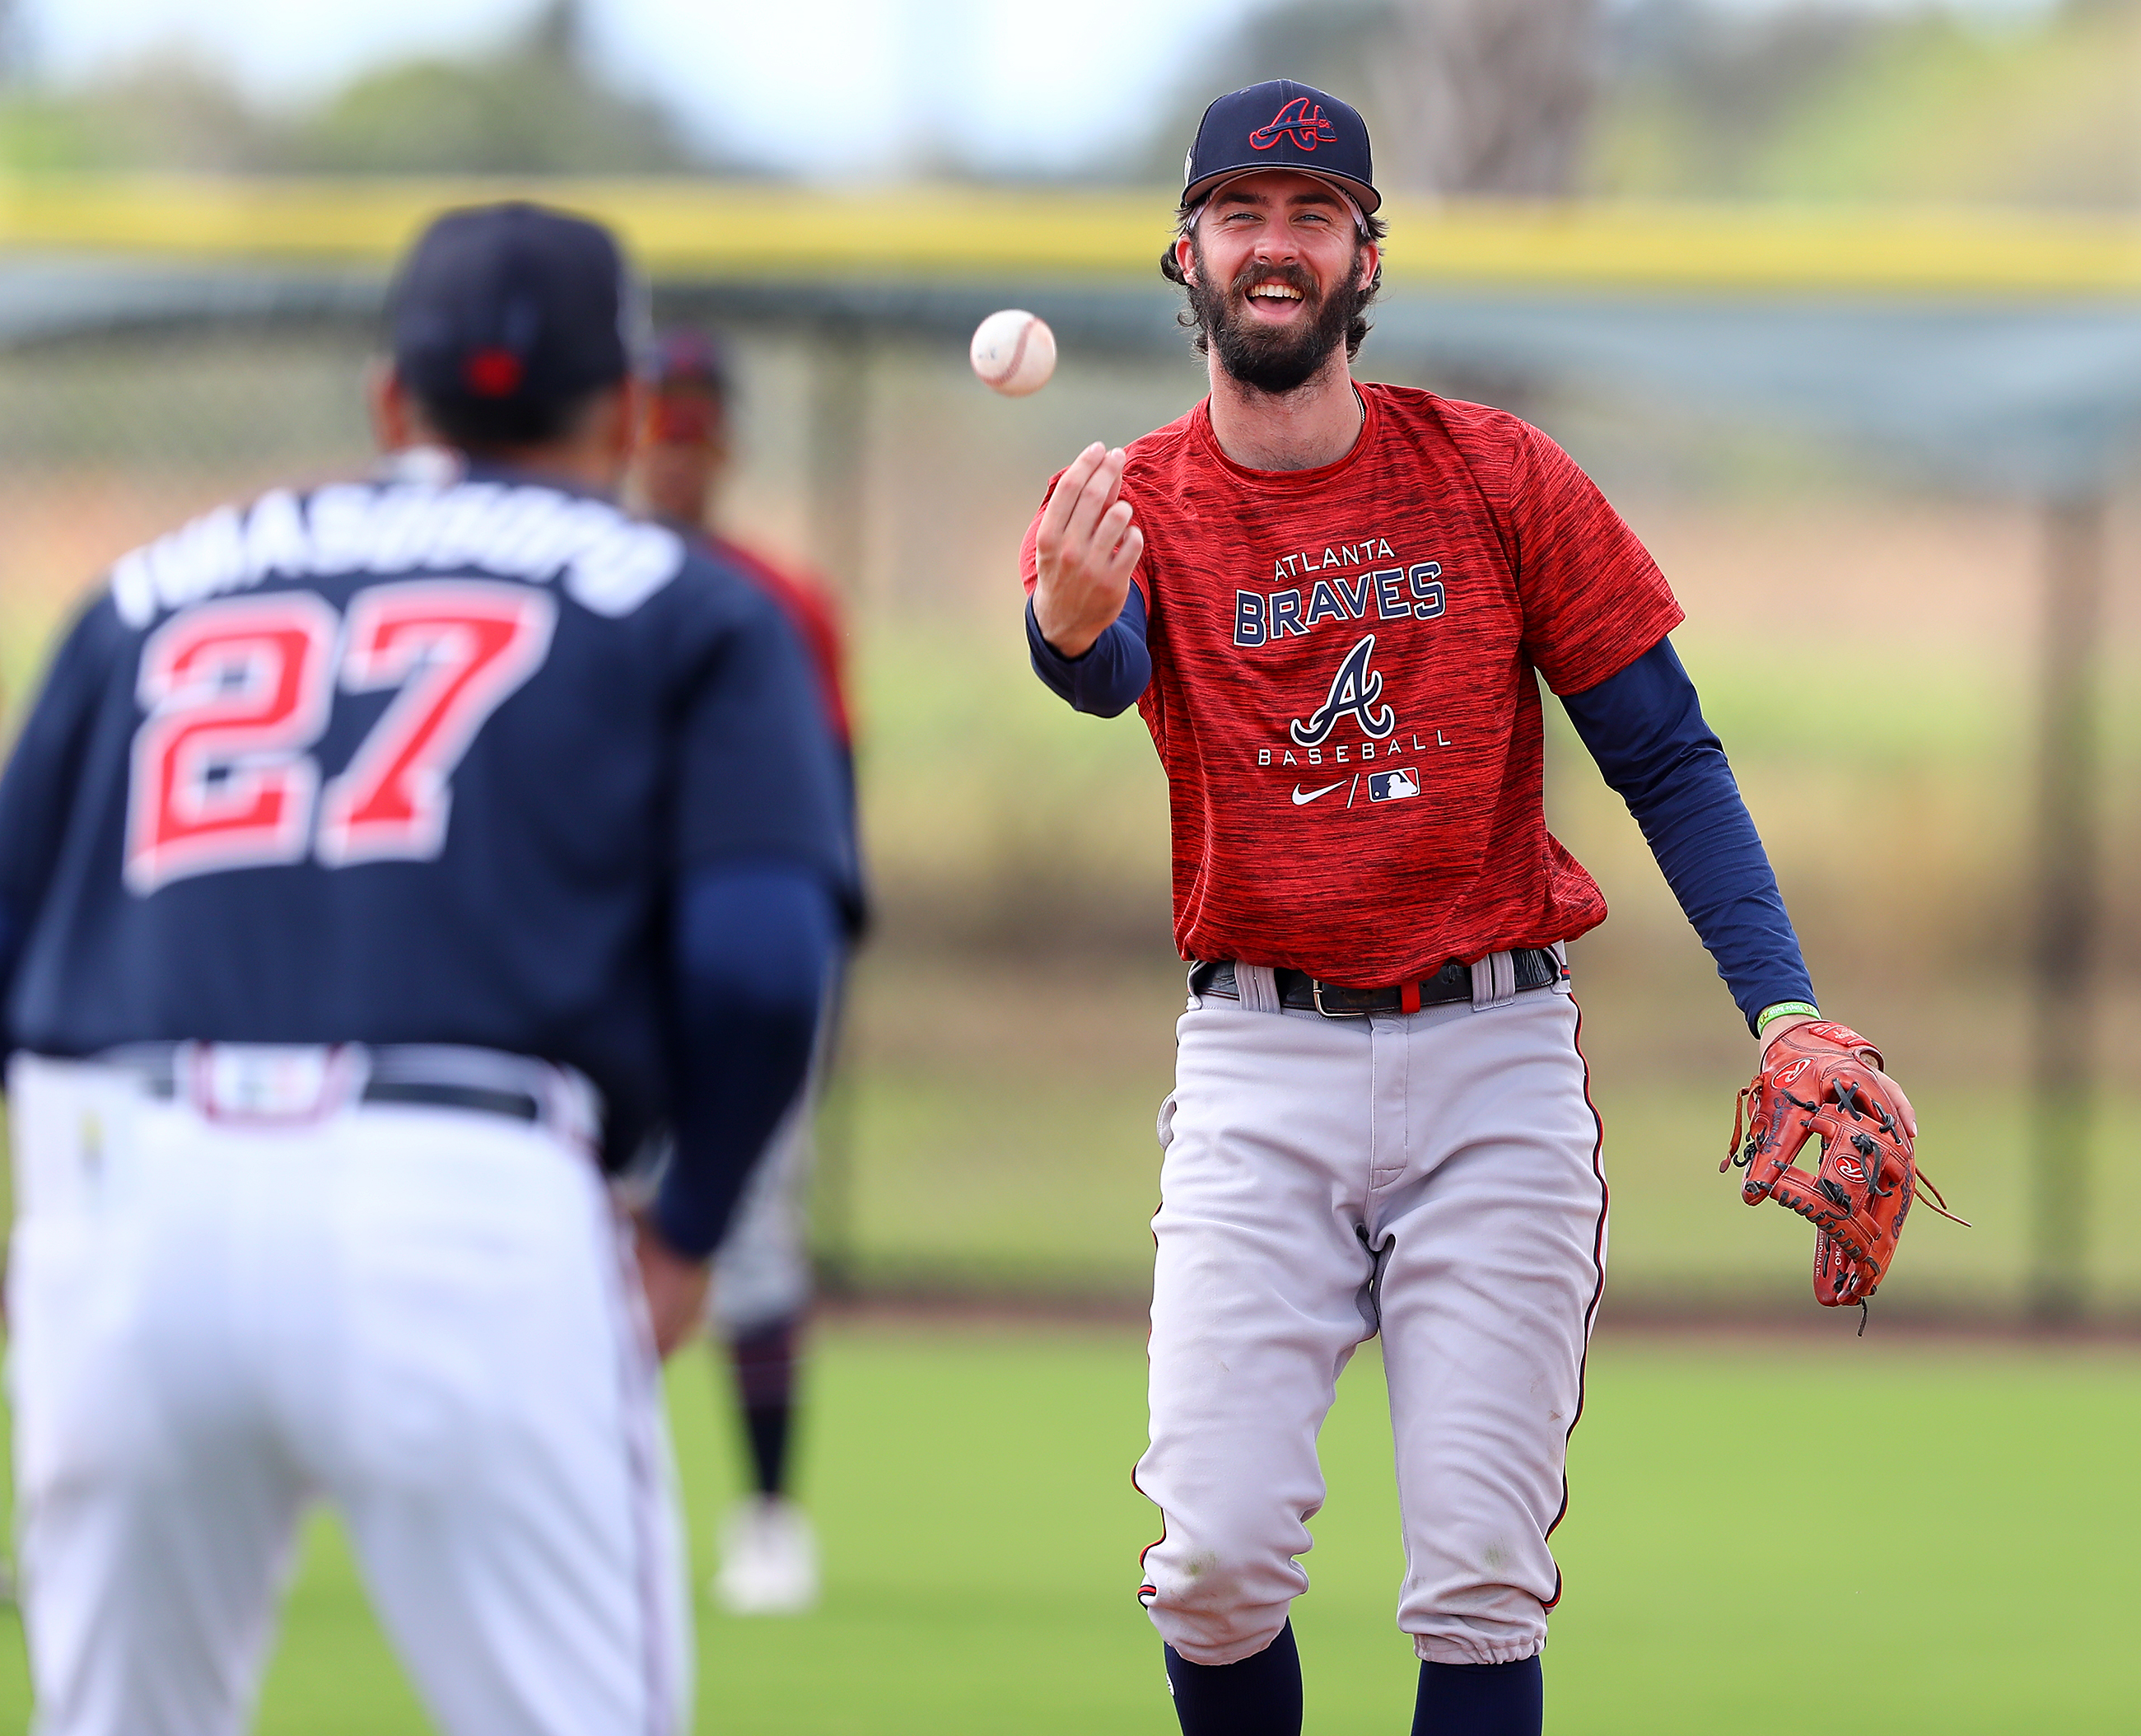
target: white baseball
1013 352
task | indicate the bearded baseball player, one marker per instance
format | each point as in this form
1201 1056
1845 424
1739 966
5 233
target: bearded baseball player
1332 602
379 864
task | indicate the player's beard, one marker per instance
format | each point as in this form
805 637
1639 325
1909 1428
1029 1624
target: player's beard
1272 358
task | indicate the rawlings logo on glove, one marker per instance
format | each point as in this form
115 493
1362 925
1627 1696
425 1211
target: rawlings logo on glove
1813 1082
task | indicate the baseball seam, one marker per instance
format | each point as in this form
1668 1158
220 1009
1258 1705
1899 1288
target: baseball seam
1010 372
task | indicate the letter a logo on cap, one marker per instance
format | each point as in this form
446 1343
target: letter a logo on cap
1309 130
1301 118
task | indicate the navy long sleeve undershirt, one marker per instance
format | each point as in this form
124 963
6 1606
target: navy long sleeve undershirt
10 946
1107 677
1645 728
755 949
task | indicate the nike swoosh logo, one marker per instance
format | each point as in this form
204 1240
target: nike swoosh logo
1299 800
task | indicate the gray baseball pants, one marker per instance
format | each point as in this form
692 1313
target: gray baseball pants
1434 1176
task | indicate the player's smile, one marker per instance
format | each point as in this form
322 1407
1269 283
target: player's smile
1277 294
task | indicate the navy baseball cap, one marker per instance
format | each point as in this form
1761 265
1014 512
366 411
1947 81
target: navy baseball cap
514 307
686 357
1281 125
690 379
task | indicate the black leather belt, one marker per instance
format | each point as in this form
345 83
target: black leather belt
514 1105
1535 968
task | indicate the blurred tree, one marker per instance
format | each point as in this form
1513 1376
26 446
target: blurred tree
1461 95
1824 101
535 106
1487 97
1692 93
170 111
2046 114
11 42
1812 99
1328 43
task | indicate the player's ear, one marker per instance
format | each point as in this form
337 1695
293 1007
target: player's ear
395 417
1371 260
721 447
611 428
634 403
1185 258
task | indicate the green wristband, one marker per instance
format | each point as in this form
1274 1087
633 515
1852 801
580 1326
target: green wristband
1783 1010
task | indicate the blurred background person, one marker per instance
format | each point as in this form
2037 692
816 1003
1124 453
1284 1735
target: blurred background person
761 1293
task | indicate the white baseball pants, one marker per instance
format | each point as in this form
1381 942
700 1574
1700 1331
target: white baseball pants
1435 1176
423 1314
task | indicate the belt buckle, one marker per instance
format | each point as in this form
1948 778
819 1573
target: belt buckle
1315 986
268 1085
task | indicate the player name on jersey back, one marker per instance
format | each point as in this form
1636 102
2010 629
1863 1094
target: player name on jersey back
609 563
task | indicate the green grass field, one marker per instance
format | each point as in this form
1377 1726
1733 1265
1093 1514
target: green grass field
1765 1536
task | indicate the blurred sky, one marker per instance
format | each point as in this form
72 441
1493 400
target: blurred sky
824 87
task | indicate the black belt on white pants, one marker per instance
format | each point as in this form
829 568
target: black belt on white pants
1529 967
286 1083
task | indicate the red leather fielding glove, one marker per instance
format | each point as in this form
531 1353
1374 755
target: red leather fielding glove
1814 1082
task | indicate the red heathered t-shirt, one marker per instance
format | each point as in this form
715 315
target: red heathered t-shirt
1342 690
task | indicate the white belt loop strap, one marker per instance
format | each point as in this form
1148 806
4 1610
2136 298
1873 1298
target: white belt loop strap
1258 985
1494 982
572 1107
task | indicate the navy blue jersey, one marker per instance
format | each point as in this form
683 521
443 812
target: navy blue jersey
403 762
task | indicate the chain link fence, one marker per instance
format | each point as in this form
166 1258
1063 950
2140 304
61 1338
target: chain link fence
990 1134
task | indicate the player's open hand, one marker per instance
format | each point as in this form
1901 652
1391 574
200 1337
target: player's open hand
675 1289
1908 1115
1087 549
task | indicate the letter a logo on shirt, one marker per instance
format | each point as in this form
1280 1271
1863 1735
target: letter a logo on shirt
1354 690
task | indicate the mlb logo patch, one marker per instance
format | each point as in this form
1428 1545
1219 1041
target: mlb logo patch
1393 786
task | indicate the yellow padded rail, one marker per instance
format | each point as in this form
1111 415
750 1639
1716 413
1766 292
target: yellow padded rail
704 228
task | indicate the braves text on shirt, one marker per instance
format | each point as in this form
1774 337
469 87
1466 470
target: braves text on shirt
1345 688
1386 593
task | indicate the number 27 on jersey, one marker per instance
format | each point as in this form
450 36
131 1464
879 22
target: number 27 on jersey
238 692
